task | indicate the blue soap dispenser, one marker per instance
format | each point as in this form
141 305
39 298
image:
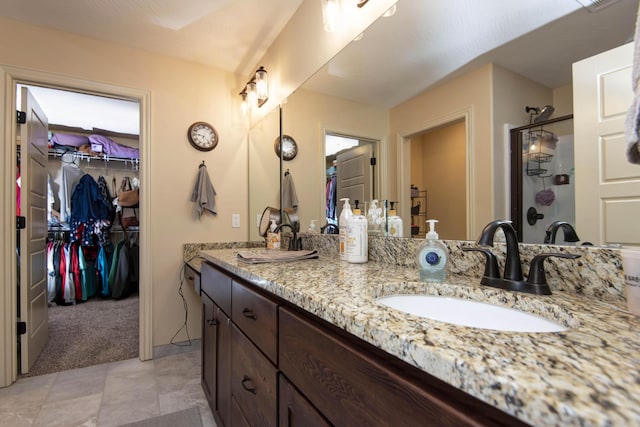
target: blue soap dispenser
432 257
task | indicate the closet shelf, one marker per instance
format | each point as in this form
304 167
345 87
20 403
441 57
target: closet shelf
76 154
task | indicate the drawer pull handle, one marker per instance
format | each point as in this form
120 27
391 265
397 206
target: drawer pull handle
246 380
212 322
190 278
249 313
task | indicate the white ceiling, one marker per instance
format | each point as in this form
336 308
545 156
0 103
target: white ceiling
425 42
231 35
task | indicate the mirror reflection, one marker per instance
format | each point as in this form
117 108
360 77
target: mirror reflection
471 186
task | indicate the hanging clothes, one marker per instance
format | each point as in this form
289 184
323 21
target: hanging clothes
70 176
90 214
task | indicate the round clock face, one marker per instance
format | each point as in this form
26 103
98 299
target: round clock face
202 136
289 147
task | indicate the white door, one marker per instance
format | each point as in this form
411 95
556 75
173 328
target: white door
354 177
33 253
607 185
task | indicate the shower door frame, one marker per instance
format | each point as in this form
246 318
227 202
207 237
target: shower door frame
517 169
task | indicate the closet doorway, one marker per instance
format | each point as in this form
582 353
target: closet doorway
91 307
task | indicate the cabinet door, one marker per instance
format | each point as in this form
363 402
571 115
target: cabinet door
209 329
253 381
353 385
223 367
296 411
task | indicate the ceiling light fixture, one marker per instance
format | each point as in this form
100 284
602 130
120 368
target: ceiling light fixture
256 91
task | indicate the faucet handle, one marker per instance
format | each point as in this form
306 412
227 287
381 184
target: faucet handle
491 266
536 270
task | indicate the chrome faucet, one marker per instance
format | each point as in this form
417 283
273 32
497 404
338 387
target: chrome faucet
294 242
570 234
512 279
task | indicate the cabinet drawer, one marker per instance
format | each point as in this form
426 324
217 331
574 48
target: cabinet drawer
295 410
217 285
257 316
351 385
253 382
192 278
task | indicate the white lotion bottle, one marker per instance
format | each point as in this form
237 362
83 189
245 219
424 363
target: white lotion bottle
357 238
343 225
432 257
395 223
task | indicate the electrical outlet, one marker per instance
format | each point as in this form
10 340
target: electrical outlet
235 220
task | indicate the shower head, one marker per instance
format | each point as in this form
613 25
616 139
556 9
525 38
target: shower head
545 113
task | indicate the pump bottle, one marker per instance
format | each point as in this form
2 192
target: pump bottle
357 238
395 223
273 236
432 256
343 225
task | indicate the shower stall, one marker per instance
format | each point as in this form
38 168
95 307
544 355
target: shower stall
542 176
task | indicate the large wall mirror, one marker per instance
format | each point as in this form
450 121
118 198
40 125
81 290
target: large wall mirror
358 94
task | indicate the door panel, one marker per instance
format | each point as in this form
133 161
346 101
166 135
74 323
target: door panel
33 200
607 186
354 175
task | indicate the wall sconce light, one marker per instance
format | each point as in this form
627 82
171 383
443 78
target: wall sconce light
256 91
331 15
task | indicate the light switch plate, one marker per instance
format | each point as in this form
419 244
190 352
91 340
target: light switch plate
235 220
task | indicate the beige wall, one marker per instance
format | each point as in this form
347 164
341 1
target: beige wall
512 93
181 93
470 95
438 162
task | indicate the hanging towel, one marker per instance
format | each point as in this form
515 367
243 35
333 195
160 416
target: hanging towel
632 122
289 196
204 195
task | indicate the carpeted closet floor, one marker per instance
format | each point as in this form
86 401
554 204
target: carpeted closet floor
90 333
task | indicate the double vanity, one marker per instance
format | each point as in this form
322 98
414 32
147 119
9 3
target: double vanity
315 342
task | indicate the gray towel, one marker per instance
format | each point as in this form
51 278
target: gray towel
632 122
204 194
289 196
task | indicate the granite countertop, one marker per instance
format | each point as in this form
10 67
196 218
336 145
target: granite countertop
587 375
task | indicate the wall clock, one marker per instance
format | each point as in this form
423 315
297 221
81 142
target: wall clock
202 136
289 147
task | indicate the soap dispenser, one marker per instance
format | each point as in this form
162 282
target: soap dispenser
357 238
273 236
343 225
395 223
432 257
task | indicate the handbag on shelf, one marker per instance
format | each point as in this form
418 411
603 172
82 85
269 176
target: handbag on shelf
128 197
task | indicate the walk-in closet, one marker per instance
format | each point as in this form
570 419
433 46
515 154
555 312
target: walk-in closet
78 213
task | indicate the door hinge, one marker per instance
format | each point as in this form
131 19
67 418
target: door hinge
21 222
21 116
22 328
373 161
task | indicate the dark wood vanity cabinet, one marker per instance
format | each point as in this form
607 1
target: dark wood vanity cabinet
278 365
295 410
216 343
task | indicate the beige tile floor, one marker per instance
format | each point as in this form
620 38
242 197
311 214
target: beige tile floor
110 394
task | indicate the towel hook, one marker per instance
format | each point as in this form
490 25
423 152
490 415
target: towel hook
202 164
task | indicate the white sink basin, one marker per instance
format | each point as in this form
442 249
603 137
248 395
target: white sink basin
474 314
